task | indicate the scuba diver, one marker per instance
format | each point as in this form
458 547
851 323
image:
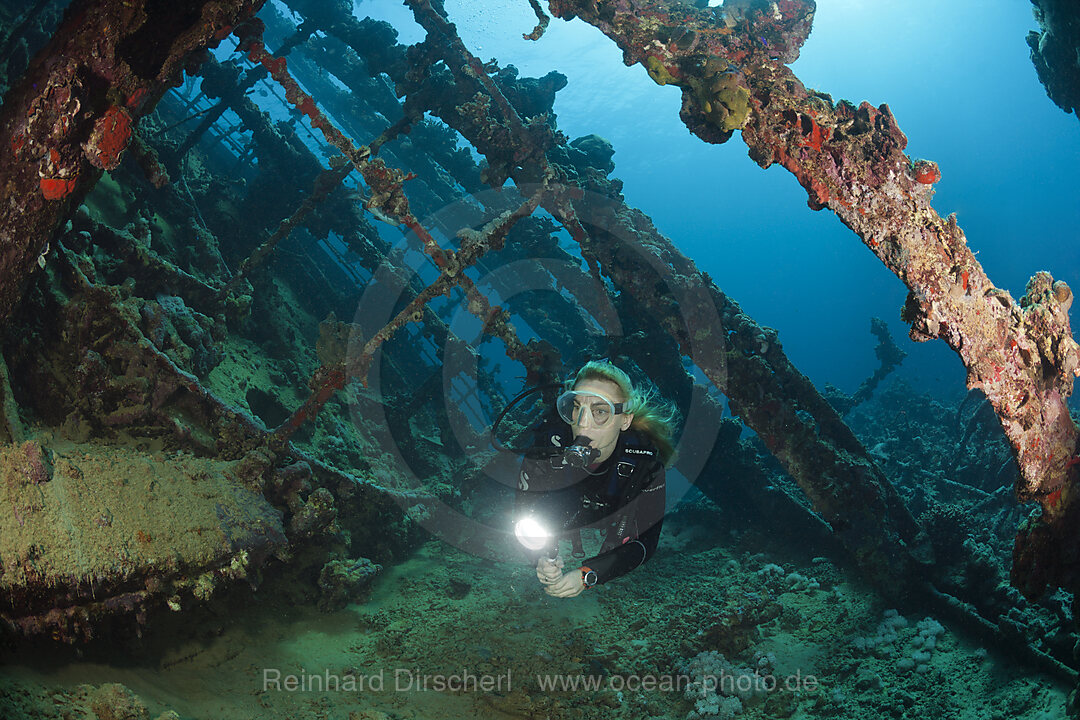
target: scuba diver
599 465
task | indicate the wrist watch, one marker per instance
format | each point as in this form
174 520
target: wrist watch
588 577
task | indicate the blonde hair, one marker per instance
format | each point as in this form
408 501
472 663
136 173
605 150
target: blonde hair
654 417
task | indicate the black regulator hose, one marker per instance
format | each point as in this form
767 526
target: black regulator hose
518 398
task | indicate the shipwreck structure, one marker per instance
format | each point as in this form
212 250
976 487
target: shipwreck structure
145 467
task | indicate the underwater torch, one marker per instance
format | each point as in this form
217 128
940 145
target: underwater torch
534 535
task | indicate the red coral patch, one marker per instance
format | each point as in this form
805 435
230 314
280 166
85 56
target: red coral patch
57 188
927 172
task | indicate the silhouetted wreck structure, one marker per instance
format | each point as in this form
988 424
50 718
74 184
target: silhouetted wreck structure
219 214
1054 51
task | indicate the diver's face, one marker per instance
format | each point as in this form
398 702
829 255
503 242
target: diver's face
601 438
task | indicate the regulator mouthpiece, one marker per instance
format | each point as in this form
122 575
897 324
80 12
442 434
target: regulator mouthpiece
580 454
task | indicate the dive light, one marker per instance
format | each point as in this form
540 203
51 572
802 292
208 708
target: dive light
531 534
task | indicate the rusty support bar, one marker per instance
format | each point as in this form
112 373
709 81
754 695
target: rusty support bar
389 203
71 116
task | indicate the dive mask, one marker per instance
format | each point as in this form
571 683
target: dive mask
574 406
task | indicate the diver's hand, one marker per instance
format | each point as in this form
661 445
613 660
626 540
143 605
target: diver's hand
568 586
549 571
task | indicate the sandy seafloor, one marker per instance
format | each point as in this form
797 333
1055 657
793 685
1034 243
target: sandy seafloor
445 614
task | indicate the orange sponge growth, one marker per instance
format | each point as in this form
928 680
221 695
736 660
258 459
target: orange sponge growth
110 137
57 188
926 172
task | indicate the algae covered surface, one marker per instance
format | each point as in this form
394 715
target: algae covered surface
88 519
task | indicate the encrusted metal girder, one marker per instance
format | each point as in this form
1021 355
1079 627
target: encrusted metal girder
72 114
729 62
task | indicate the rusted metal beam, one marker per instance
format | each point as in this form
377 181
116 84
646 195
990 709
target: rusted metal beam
72 114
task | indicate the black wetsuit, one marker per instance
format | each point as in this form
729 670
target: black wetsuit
624 497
